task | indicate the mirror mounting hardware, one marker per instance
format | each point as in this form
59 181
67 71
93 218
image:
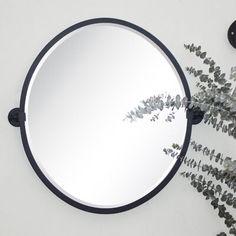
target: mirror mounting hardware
232 34
15 116
198 116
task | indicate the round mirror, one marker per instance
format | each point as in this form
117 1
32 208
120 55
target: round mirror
75 100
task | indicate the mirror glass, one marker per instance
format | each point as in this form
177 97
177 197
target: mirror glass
76 106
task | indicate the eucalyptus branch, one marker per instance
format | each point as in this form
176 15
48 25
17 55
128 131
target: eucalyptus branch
227 162
215 105
223 176
217 100
202 55
221 84
156 103
227 176
224 196
233 73
210 192
211 153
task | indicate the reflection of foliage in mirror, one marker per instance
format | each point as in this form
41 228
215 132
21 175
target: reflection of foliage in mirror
217 99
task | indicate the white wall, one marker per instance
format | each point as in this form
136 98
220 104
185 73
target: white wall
27 207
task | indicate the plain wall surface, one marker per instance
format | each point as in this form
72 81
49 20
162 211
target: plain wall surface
27 207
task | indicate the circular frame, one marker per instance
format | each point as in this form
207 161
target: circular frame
23 129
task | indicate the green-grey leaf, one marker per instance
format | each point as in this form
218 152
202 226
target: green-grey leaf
203 55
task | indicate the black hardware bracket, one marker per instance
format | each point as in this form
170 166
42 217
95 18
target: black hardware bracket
14 117
198 116
232 34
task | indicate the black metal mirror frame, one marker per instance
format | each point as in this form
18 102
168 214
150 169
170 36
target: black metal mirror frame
17 117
